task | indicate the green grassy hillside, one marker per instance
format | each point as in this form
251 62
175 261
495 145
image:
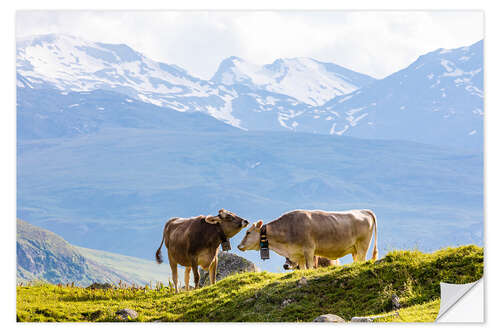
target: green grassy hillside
358 289
138 270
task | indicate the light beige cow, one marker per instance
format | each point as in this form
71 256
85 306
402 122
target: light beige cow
302 234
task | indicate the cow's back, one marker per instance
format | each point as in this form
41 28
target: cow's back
331 233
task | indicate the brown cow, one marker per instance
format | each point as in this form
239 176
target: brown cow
318 262
302 234
195 241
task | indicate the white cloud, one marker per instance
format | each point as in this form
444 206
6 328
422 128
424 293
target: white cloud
372 42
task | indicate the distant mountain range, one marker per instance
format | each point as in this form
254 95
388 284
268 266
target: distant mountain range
45 256
438 99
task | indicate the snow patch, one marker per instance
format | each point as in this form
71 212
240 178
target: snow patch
354 121
342 100
342 131
478 112
448 65
353 111
225 113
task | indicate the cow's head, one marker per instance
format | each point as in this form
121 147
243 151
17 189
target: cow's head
231 223
251 241
290 265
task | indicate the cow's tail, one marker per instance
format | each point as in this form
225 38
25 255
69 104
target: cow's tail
159 258
375 249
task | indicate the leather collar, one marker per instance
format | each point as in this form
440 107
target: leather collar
264 243
263 232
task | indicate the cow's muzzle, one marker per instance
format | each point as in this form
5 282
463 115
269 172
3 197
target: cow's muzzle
244 223
286 267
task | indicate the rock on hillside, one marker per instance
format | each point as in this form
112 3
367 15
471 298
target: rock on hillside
229 264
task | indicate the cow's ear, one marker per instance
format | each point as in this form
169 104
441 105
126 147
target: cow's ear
259 224
222 213
212 219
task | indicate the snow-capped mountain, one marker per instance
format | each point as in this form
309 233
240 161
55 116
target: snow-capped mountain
70 63
438 99
305 79
275 95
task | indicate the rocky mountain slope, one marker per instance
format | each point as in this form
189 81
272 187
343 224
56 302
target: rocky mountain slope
45 256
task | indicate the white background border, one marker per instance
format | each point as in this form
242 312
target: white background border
8 162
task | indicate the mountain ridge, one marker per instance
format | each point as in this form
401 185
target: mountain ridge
437 99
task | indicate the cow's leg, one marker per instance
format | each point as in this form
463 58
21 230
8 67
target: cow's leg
173 268
309 258
187 270
362 249
354 259
196 274
301 261
361 255
212 270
